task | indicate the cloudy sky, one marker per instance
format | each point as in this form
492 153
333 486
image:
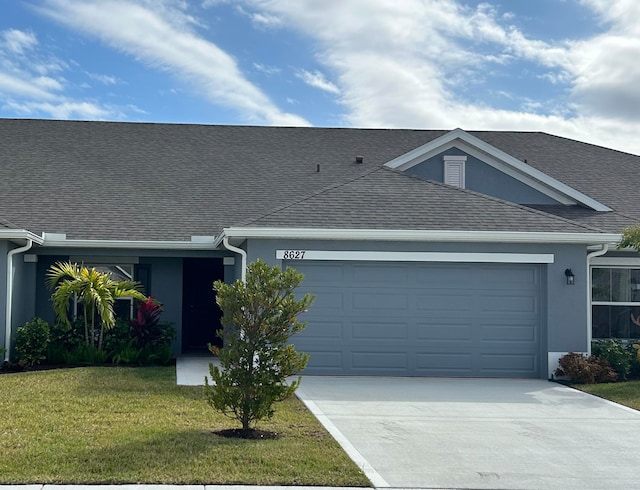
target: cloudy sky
567 67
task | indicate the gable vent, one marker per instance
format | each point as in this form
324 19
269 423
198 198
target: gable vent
454 170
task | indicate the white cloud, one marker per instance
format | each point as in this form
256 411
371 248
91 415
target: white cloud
317 80
169 44
404 64
60 110
104 79
17 41
267 70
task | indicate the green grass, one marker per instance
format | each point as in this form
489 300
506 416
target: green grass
626 393
134 425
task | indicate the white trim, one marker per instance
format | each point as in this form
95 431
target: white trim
121 244
418 235
523 172
104 260
451 163
20 235
375 256
630 262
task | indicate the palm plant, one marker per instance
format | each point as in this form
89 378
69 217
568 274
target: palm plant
94 289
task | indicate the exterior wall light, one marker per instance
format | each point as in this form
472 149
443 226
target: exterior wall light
571 278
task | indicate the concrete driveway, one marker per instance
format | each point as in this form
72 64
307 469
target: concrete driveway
478 433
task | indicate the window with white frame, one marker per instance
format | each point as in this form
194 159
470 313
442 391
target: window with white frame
123 307
615 302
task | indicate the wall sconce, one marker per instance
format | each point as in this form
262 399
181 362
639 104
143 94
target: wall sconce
571 278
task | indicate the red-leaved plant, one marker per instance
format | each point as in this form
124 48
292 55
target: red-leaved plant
146 327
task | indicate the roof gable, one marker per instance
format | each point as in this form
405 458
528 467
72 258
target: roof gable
501 161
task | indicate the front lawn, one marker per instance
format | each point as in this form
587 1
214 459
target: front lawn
134 425
626 392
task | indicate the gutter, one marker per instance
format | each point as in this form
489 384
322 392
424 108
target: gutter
603 250
7 329
243 255
196 243
422 235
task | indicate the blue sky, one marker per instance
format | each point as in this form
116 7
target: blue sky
567 67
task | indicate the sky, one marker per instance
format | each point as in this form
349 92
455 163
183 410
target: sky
566 67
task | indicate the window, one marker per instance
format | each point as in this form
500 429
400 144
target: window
615 302
123 307
454 170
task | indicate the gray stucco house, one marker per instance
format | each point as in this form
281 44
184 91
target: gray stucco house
431 253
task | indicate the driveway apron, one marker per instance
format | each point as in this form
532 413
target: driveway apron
478 433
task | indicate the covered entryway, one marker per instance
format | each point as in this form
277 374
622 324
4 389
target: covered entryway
422 319
200 313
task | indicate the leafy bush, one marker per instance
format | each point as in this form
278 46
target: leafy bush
619 355
85 355
32 340
146 328
127 354
581 369
256 359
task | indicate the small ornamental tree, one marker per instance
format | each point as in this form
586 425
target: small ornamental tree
630 238
260 317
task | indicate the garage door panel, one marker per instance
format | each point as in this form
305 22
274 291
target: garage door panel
322 330
326 361
440 364
508 303
444 302
370 275
376 331
509 333
444 330
422 319
522 277
367 300
380 361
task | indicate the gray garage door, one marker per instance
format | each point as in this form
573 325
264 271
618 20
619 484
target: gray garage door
416 319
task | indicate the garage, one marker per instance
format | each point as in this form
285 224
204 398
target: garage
422 319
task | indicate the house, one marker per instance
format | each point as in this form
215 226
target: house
431 253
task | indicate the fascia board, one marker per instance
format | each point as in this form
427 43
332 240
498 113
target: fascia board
523 172
421 235
20 235
130 244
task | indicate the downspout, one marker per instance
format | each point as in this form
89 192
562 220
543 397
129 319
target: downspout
243 254
7 329
597 253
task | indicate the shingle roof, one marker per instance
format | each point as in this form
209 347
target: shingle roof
139 181
378 200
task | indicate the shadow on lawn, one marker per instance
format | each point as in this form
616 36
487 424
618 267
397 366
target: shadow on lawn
186 456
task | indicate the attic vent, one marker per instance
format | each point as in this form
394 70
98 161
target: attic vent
359 159
454 170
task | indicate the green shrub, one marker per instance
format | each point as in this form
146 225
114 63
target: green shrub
85 355
581 369
260 316
619 355
127 354
32 340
